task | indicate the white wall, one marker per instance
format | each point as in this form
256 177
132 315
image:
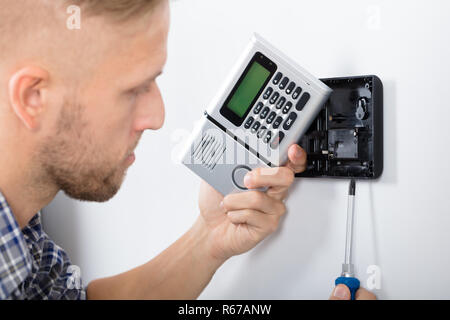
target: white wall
402 220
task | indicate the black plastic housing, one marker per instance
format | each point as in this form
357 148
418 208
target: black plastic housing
346 138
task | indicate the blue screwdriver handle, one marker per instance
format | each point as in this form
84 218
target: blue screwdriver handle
351 283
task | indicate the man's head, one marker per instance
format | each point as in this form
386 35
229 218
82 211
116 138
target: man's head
74 103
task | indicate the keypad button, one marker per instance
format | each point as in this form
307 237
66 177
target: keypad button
271 117
274 98
296 93
258 108
302 101
277 122
277 140
290 87
264 113
284 83
267 94
287 107
268 137
289 121
261 132
281 102
249 122
255 126
277 78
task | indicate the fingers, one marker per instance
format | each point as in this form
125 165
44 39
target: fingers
363 294
268 223
341 292
269 177
278 179
280 176
254 200
297 158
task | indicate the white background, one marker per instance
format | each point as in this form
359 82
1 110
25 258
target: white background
402 220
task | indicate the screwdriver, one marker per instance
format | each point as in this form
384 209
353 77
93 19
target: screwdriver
347 276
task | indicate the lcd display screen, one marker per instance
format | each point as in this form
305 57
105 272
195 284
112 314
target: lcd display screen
248 89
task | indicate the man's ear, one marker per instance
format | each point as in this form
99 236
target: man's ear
25 94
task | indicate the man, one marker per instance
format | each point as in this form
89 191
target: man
73 106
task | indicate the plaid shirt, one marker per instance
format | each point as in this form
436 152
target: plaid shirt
32 266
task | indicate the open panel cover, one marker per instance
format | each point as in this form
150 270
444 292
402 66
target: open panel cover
346 138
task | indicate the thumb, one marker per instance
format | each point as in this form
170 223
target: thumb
341 292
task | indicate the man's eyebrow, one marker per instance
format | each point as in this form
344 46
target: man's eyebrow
150 79
147 81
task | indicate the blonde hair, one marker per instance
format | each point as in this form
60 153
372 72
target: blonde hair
116 9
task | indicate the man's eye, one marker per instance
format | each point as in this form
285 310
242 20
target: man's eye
140 91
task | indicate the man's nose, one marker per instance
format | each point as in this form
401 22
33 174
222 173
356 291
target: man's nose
151 113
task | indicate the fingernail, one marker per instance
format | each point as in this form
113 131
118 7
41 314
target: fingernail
247 179
221 204
341 292
298 153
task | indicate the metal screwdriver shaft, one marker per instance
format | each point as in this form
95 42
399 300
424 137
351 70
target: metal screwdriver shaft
347 266
348 276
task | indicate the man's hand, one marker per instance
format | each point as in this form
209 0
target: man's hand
219 233
238 222
341 292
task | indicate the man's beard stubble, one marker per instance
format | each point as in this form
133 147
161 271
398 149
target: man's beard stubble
72 161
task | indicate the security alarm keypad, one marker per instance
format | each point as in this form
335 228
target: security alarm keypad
264 106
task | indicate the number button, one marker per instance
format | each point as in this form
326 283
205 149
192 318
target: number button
258 108
277 78
277 122
248 123
289 121
290 87
284 83
274 98
303 100
255 127
281 103
287 107
264 112
296 93
271 117
267 94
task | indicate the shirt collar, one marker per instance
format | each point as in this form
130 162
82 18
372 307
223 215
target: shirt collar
15 260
